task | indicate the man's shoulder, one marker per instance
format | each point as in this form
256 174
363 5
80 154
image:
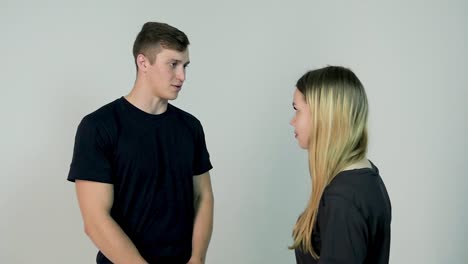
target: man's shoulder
103 115
184 115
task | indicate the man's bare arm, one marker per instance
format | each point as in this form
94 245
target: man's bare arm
95 200
203 226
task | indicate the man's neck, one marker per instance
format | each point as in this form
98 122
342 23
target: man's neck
146 102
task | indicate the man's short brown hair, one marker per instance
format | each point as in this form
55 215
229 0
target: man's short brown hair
154 35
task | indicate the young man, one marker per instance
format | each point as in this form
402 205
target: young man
141 166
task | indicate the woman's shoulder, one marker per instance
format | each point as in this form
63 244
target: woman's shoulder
362 188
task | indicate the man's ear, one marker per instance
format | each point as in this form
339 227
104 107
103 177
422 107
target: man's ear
142 62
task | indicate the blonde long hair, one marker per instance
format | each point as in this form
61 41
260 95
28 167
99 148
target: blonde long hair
338 137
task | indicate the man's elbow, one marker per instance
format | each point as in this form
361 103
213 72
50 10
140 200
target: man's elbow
204 198
89 229
92 225
208 198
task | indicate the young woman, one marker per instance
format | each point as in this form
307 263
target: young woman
347 219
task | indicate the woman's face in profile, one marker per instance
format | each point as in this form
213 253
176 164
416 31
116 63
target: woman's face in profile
301 120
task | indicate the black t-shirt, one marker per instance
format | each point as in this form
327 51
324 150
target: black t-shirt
353 222
151 161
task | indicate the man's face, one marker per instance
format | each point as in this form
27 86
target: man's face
166 75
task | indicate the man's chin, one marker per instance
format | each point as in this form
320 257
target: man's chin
170 97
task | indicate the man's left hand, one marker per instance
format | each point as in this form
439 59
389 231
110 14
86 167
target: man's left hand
196 260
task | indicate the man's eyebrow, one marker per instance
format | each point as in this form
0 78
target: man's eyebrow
180 61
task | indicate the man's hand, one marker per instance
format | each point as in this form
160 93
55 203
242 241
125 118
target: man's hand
196 260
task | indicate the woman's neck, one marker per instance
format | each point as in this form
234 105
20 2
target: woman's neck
363 163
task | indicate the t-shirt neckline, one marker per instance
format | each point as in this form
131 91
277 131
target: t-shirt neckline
137 112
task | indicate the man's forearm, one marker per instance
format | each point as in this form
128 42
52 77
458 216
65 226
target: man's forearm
203 226
107 235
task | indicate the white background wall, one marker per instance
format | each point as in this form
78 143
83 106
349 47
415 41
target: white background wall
61 60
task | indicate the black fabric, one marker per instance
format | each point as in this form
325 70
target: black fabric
150 160
156 260
353 222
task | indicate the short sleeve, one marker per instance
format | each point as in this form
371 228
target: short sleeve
202 161
343 232
90 159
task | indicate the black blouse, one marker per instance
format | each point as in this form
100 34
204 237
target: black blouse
353 222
